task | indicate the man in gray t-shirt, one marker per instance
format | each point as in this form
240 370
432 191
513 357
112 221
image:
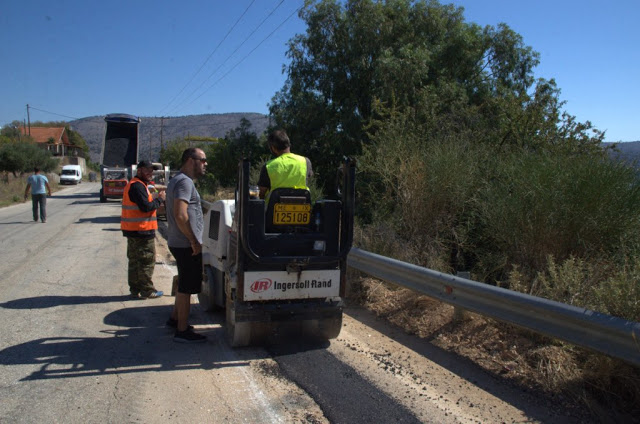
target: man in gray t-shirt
186 224
39 186
182 187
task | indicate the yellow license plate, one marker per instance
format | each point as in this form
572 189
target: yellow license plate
291 214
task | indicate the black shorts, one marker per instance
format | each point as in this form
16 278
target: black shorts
189 270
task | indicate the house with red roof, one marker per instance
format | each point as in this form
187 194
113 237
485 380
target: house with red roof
54 140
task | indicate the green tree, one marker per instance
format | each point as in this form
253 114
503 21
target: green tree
77 140
398 53
238 143
23 157
172 154
10 132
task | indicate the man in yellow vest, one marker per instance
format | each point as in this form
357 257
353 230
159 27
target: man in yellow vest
138 223
286 170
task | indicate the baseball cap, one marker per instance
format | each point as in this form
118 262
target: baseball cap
145 164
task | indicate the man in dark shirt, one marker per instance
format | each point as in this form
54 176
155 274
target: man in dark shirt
139 224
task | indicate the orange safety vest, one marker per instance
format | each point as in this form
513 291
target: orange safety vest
132 218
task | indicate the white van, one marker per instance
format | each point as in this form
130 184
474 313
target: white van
71 174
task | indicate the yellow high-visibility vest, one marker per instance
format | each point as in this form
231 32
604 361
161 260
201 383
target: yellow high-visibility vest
287 170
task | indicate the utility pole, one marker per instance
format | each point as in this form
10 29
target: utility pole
28 119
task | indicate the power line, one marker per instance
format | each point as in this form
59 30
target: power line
177 107
247 55
209 57
52 113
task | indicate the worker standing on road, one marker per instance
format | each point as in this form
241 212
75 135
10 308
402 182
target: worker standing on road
37 184
186 227
138 223
286 170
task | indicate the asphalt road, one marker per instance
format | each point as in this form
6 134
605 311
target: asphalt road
75 349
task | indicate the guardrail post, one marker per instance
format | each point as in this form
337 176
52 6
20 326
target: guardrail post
459 314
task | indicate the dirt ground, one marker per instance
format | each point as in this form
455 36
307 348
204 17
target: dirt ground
575 378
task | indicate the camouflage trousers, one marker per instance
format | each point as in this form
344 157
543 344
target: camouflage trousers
141 253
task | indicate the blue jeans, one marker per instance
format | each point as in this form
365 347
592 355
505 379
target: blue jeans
39 200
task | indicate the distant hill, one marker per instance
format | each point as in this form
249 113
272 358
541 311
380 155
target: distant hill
211 125
628 152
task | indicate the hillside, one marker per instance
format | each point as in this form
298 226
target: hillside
212 125
628 151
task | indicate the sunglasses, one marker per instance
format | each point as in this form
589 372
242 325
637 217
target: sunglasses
200 159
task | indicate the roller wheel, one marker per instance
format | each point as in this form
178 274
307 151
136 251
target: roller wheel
206 297
238 333
324 329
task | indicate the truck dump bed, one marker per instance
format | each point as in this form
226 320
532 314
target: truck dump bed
120 146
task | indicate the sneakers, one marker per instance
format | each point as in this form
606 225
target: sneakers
151 294
189 336
174 324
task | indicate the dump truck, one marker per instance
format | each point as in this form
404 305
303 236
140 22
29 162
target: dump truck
119 154
278 269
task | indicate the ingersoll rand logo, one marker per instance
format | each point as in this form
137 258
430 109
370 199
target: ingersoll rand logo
261 285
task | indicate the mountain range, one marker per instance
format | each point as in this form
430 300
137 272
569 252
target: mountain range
626 151
157 132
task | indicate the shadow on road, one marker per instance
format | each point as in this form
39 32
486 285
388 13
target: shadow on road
84 202
134 339
100 220
42 302
137 341
75 196
525 399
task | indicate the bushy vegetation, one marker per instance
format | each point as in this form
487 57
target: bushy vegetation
19 153
466 161
20 157
223 156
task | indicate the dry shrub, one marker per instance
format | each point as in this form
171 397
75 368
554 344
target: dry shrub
415 314
619 295
425 193
589 285
384 240
571 281
614 384
555 366
12 188
608 388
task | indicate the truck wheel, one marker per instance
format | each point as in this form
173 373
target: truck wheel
214 279
238 333
102 198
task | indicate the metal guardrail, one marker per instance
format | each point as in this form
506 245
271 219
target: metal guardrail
610 335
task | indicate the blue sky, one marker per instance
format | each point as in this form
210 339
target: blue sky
77 58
